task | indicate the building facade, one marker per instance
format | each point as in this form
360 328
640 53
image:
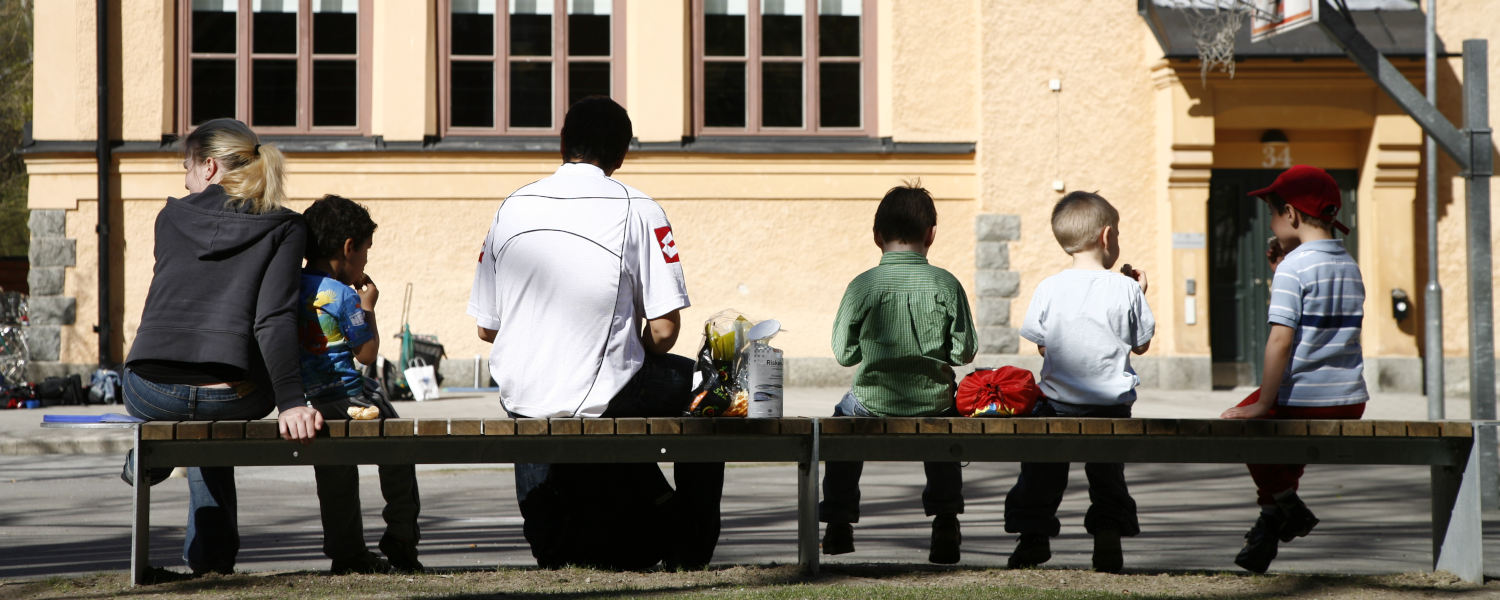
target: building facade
768 130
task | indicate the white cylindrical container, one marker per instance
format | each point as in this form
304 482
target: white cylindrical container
765 381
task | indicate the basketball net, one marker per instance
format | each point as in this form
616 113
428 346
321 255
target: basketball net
1214 24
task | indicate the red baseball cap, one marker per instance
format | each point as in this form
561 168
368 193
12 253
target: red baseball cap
1311 191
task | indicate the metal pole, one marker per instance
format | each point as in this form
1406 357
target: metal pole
1481 292
1432 305
101 73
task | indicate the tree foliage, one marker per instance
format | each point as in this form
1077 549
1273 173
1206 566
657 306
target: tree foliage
15 111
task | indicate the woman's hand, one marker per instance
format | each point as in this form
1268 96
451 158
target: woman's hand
300 424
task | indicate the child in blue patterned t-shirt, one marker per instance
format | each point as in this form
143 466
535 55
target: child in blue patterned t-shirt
336 326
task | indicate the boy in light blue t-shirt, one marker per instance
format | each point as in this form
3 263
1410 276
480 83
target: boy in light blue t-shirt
336 326
1085 321
1314 367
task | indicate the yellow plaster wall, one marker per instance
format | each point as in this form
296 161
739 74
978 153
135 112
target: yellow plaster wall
144 71
63 73
403 105
931 60
657 70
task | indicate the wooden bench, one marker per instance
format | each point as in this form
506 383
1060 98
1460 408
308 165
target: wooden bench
1445 446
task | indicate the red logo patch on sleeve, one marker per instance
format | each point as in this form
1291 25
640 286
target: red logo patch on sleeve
668 247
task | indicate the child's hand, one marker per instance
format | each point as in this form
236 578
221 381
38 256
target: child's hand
1138 275
1250 411
368 293
1274 252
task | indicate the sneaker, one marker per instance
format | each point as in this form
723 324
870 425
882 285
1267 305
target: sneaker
1032 550
155 476
1108 558
366 563
403 557
1299 521
838 538
1260 544
945 540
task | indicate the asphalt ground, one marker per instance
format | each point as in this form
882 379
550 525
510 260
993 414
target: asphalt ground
68 513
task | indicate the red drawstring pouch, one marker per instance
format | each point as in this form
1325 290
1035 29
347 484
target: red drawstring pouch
1002 392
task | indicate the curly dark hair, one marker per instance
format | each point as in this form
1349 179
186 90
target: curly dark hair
333 219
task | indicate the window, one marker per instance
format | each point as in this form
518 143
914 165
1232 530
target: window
516 72
281 66
780 72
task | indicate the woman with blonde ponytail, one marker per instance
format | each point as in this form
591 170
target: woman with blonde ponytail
218 335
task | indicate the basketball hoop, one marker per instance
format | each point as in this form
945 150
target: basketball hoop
1214 24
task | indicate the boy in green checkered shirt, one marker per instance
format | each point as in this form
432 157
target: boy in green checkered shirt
906 324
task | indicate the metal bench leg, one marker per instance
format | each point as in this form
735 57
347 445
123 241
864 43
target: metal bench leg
140 527
807 508
1457 539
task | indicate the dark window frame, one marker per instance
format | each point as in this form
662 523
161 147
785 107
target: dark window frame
244 56
501 58
810 60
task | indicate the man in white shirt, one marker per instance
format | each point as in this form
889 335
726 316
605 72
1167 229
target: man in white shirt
579 285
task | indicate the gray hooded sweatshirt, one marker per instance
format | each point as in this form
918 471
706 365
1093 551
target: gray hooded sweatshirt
224 292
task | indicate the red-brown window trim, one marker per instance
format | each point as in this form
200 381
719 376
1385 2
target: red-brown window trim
810 75
243 57
501 58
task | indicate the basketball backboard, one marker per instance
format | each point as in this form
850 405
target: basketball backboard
1274 17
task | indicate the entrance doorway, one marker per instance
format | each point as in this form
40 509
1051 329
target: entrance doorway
1239 279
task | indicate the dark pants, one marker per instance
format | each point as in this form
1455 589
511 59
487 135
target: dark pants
943 494
213 540
628 496
1275 479
1031 506
338 492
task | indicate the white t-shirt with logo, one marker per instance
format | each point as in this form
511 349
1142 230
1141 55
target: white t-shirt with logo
572 265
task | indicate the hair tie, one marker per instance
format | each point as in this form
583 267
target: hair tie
257 149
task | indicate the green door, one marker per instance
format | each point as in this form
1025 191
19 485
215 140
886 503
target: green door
1238 275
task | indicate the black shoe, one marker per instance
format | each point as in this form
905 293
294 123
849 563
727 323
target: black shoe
155 476
367 563
1032 550
1299 521
403 557
1260 544
945 540
838 538
1108 558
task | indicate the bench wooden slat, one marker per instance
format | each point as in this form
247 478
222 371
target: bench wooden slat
499 427
1356 428
158 430
664 425
1097 427
227 430
837 426
1424 429
901 425
531 427
432 427
465 426
864 425
630 426
565 426
1196 426
1458 429
369 428
1130 427
998 425
1324 427
796 426
1222 427
192 430
747 426
1064 425
1262 427
1390 428
400 427
1161 427
263 430
934 425
697 426
1031 426
1292 427
337 429
965 425
598 426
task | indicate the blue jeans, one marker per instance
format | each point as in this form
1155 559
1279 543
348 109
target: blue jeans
943 494
1031 506
213 538
338 492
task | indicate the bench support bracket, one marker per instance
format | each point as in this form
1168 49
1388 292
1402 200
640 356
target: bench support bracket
1457 538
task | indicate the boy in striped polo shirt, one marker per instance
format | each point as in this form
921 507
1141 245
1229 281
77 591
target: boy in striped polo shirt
1314 367
906 323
